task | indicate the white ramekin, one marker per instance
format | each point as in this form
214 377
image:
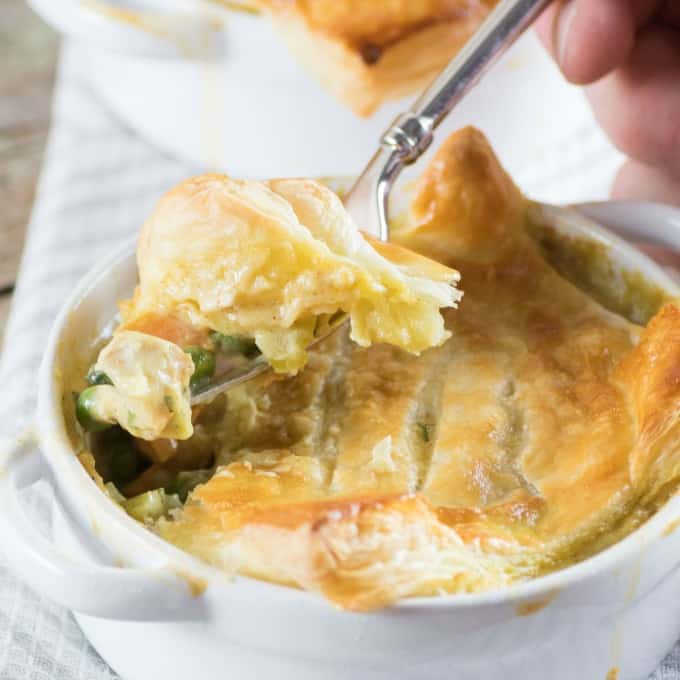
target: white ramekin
154 611
229 95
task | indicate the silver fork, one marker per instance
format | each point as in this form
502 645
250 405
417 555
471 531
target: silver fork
402 144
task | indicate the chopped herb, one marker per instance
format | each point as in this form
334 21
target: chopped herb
169 403
424 429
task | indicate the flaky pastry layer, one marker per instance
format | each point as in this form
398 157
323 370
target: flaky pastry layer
265 259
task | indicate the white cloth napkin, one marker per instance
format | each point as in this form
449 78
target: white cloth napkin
98 182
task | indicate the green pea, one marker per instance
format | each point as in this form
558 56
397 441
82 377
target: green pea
125 462
235 344
424 431
86 411
204 366
95 377
186 481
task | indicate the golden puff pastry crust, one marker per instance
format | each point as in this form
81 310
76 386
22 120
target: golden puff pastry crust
366 52
266 259
522 444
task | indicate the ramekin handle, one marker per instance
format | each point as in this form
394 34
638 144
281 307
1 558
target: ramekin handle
108 592
147 30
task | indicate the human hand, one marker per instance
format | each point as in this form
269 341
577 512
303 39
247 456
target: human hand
627 53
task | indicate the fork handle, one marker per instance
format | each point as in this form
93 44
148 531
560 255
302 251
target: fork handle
411 133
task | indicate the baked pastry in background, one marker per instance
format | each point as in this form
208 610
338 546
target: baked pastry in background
366 52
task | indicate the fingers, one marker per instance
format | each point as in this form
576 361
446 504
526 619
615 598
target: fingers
639 104
589 38
638 182
629 53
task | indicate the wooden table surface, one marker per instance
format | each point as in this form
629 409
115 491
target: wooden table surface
28 53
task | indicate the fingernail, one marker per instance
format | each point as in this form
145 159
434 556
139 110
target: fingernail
563 22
